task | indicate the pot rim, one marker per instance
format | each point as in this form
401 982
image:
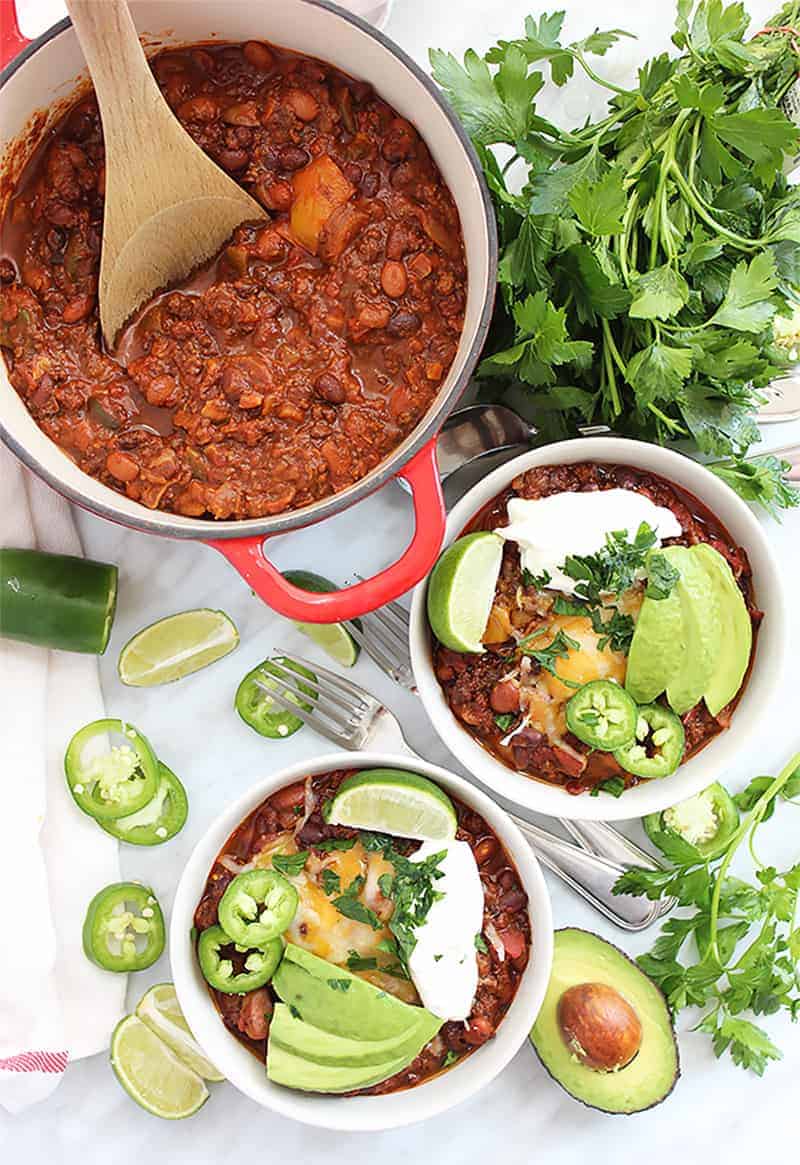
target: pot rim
428 427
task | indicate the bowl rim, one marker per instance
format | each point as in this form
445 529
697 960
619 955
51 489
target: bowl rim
765 677
373 1113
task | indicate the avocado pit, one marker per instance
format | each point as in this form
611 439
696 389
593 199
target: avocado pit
599 1026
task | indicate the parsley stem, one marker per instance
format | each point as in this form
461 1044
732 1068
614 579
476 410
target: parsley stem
616 403
579 57
752 820
694 199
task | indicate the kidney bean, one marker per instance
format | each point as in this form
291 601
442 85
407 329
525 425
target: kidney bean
233 159
394 280
241 113
513 900
258 55
374 315
371 184
203 60
293 158
303 104
403 323
121 466
330 388
290 796
478 1031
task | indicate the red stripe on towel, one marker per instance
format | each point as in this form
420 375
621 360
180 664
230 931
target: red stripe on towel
35 1062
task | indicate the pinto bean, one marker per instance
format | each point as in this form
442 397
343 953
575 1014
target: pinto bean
303 104
394 280
479 1029
274 195
505 697
241 113
258 55
233 159
255 1014
485 850
200 108
374 315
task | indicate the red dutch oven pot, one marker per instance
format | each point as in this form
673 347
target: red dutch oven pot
38 81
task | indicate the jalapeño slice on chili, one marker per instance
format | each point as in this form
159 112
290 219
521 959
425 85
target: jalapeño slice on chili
259 964
257 907
602 715
124 928
657 748
160 819
256 708
111 769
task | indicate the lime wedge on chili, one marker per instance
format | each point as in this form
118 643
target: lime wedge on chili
334 638
152 1074
461 590
395 802
160 1010
175 647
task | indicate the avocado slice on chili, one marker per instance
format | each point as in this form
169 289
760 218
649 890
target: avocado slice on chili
284 1067
604 1032
296 1035
705 822
735 645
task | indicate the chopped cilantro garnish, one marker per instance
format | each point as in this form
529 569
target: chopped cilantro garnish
480 943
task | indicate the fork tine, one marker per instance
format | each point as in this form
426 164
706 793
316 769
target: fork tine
295 683
319 701
353 690
338 735
375 648
381 626
394 617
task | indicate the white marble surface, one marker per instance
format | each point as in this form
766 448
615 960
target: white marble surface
522 1116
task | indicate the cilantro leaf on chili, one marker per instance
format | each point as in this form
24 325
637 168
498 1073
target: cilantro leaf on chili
290 864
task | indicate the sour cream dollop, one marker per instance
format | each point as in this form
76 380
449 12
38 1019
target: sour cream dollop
443 964
548 530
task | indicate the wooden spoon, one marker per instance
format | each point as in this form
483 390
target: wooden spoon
168 207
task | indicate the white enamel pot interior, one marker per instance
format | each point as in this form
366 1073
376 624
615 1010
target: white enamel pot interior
765 678
359 1113
44 77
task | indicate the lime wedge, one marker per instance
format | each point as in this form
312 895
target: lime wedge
160 1010
461 590
151 1074
175 647
396 802
334 638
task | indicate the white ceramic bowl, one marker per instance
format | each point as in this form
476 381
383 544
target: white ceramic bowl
359 1113
710 763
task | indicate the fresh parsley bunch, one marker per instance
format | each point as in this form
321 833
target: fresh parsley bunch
742 939
647 254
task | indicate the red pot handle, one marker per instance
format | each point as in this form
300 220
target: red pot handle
247 556
11 39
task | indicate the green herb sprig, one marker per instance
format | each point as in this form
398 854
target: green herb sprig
742 938
644 254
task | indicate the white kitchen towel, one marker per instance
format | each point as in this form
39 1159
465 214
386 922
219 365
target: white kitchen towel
55 1006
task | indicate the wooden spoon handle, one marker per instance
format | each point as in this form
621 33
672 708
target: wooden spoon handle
119 69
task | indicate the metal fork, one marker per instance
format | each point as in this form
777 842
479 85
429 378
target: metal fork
384 637
352 718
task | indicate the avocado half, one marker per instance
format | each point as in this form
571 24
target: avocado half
600 1008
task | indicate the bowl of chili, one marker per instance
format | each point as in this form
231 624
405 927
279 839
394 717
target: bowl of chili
309 364
251 828
537 746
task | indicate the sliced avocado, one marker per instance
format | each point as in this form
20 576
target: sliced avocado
657 649
604 1032
332 998
702 629
735 645
294 1072
323 1047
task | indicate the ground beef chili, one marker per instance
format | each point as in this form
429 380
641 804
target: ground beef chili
476 686
290 366
506 922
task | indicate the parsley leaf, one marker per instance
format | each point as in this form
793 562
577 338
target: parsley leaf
339 984
335 843
659 294
504 720
351 906
290 864
547 657
330 882
480 943
599 206
539 581
760 479
749 305
661 577
614 786
357 962
612 569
